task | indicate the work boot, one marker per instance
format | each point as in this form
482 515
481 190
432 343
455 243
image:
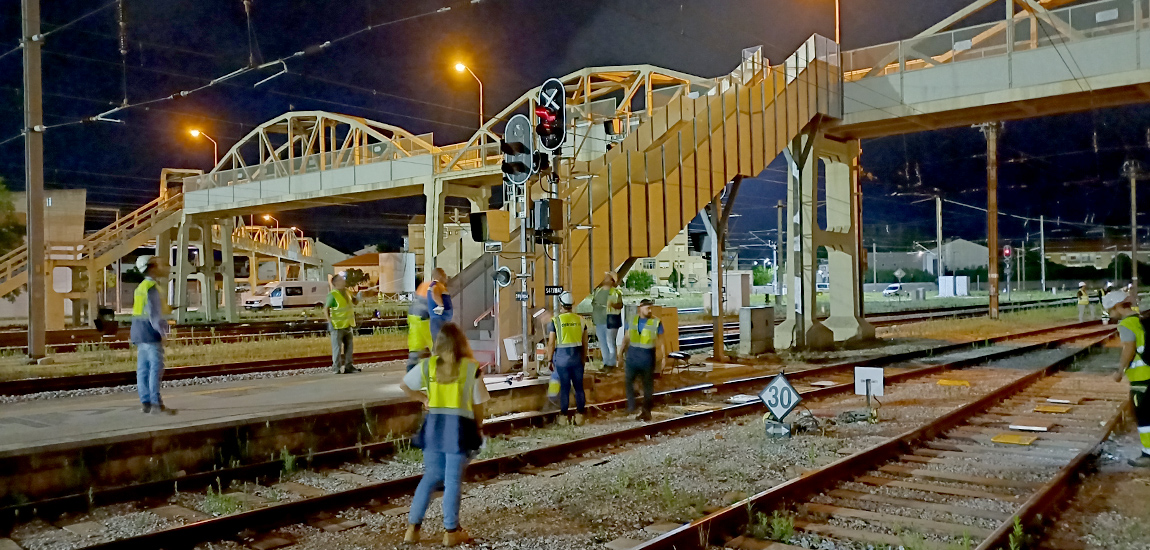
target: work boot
456 537
350 370
412 534
146 408
579 419
161 409
1143 461
644 416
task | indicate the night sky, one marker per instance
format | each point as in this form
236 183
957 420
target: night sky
401 73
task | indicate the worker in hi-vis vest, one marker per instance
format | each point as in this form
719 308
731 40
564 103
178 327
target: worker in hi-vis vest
1084 302
418 328
339 309
1131 364
643 349
567 348
149 328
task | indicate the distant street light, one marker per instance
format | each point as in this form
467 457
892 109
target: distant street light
461 68
215 146
269 217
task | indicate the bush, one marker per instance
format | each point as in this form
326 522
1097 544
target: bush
639 281
761 275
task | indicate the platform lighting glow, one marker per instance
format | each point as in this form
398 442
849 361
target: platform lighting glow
460 67
195 133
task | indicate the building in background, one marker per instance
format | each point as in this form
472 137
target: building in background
674 257
391 274
1095 253
957 254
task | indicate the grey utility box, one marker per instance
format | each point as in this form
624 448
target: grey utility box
756 330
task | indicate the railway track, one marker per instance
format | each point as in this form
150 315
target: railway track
1016 450
267 516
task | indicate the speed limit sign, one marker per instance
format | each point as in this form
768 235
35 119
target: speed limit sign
780 397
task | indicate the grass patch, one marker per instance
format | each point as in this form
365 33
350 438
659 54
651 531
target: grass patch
406 454
216 503
495 446
779 526
288 461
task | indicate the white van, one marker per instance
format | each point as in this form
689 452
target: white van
280 294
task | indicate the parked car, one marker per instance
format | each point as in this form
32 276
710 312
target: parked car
279 294
894 289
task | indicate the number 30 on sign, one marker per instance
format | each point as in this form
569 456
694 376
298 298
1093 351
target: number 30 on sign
780 397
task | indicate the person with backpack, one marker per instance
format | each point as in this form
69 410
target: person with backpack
450 389
607 316
1132 365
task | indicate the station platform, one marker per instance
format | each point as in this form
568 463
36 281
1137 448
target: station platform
67 423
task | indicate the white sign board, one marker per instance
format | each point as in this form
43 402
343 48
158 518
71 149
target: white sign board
874 374
780 396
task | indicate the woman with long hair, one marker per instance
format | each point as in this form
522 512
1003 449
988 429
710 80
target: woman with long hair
449 386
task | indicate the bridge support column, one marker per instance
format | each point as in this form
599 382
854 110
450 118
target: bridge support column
843 195
228 268
435 192
183 270
164 253
839 238
802 329
209 299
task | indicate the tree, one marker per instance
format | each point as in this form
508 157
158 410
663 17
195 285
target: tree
676 278
355 277
11 230
639 281
761 275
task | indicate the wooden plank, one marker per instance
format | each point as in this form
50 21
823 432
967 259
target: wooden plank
932 488
954 476
919 504
1072 447
857 535
1015 453
889 519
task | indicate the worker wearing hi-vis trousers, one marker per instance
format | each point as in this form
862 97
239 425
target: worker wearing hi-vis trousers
567 348
642 347
1132 365
418 329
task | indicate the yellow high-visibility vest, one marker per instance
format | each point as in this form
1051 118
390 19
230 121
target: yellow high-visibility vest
648 338
452 397
568 330
1138 371
140 298
342 315
1083 298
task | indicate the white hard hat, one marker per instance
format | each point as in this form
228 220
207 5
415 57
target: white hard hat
1081 284
143 261
566 299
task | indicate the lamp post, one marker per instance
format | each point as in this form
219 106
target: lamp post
838 23
460 67
215 146
269 217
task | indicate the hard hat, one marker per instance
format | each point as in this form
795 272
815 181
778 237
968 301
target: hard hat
1114 298
1081 285
143 261
566 299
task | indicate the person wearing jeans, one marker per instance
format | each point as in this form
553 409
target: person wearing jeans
643 348
339 309
148 331
607 316
449 387
567 348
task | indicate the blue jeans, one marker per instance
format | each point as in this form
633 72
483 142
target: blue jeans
607 345
149 372
571 377
446 468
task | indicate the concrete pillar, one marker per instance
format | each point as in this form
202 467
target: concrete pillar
253 271
802 182
435 193
209 299
53 300
183 269
228 268
164 253
840 238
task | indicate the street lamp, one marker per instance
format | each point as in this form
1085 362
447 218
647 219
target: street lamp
269 217
461 68
215 146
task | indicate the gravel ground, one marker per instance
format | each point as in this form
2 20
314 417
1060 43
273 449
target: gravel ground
207 380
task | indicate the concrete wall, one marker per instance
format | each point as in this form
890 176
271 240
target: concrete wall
64 211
